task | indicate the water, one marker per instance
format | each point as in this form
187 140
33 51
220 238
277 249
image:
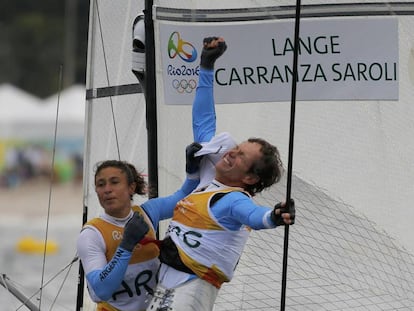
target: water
26 270
39 210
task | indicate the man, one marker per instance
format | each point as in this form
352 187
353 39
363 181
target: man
210 227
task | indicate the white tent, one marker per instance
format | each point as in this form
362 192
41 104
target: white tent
24 116
69 110
16 107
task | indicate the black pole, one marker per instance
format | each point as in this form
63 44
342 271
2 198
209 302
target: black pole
81 272
290 156
151 101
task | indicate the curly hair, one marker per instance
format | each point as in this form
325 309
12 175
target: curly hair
129 170
269 168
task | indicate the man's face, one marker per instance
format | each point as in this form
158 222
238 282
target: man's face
233 168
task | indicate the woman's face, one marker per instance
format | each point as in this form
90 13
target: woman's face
114 193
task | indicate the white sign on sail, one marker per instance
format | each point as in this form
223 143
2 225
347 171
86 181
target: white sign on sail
339 59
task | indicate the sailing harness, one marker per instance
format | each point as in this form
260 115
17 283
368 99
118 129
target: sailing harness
168 253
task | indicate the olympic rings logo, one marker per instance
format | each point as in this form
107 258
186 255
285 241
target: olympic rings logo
184 86
185 50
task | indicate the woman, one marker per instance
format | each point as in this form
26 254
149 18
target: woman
121 274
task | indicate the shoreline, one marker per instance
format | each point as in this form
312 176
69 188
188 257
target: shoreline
39 198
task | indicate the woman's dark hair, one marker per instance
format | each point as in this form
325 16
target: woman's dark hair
129 170
269 168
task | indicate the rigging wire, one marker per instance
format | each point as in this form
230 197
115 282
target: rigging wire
51 182
67 267
290 156
63 281
107 78
26 300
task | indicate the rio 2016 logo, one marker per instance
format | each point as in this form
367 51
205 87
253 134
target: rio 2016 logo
177 47
183 49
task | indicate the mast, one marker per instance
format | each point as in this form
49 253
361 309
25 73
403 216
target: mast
81 273
151 101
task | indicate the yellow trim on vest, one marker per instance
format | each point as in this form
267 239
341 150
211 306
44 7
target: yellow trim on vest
112 236
104 306
187 213
212 275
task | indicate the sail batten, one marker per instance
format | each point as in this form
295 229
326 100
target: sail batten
284 12
134 88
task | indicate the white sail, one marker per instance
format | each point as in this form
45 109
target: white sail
352 245
352 182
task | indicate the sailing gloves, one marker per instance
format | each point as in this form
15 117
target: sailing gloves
192 163
280 209
210 54
134 231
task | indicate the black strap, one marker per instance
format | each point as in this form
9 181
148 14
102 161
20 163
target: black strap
169 255
217 197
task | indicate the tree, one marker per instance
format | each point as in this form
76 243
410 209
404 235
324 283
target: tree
37 37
